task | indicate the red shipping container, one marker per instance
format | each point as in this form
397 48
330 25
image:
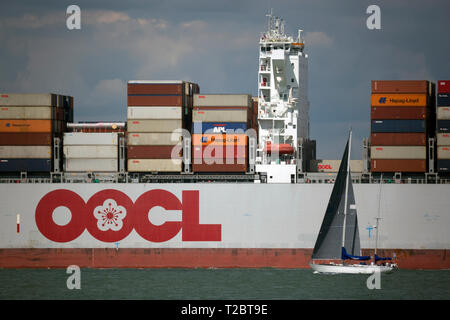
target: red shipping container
400 86
153 152
410 165
26 139
150 100
444 86
398 139
219 152
150 88
400 113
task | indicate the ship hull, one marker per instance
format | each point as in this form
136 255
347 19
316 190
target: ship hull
218 225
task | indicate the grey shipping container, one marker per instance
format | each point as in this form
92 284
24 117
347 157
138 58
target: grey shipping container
155 139
223 114
156 112
398 152
28 99
90 138
25 152
443 113
44 113
97 152
154 125
91 165
222 100
154 165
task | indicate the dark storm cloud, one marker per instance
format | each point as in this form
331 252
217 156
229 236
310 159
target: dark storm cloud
215 43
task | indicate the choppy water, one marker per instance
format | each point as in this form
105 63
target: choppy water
220 284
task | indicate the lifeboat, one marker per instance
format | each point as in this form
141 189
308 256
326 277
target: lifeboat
282 148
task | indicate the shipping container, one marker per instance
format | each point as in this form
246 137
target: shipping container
154 165
443 165
25 152
156 112
25 165
159 87
222 100
224 114
398 152
94 138
89 151
400 86
219 127
443 113
443 126
399 113
398 126
411 165
398 139
219 139
333 165
444 86
399 100
154 126
219 153
443 139
28 99
443 152
239 168
22 125
26 139
154 100
154 152
91 165
443 99
43 113
157 139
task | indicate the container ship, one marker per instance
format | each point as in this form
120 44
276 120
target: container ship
201 180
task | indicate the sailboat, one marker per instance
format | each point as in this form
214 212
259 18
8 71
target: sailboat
338 239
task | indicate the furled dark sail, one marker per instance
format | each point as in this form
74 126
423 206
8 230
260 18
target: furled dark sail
329 241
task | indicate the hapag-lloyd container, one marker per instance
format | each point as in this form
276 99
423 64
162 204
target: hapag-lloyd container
397 126
443 113
159 139
398 165
25 165
443 139
443 152
219 127
399 100
154 125
444 86
154 152
26 139
91 165
90 151
400 86
398 139
90 138
333 165
154 165
25 152
22 125
398 152
219 139
156 112
222 100
400 113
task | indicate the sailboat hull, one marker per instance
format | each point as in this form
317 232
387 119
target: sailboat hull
352 268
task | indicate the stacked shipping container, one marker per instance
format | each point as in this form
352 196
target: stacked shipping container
219 123
157 111
402 117
443 126
28 125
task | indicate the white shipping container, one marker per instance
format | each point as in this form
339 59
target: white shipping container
25 99
154 113
154 125
443 152
398 152
43 113
90 138
89 165
25 152
443 113
154 165
213 115
333 165
222 100
443 139
96 152
153 139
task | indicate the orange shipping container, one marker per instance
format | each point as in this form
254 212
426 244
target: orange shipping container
399 100
219 139
25 125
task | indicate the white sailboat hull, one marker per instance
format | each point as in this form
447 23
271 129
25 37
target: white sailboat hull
352 268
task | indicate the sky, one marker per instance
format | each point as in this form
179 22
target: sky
215 44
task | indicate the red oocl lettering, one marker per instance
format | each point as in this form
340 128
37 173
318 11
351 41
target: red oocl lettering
324 166
110 215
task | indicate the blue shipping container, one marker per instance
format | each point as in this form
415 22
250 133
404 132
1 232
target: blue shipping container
29 165
443 126
443 165
398 126
443 100
218 127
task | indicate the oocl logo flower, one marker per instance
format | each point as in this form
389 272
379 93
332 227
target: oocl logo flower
110 215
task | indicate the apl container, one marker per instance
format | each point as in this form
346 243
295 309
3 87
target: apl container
398 152
26 139
399 100
156 112
402 165
400 86
398 113
398 139
154 165
159 139
25 165
219 127
398 126
25 152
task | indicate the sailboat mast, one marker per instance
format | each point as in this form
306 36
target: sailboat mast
346 186
378 217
